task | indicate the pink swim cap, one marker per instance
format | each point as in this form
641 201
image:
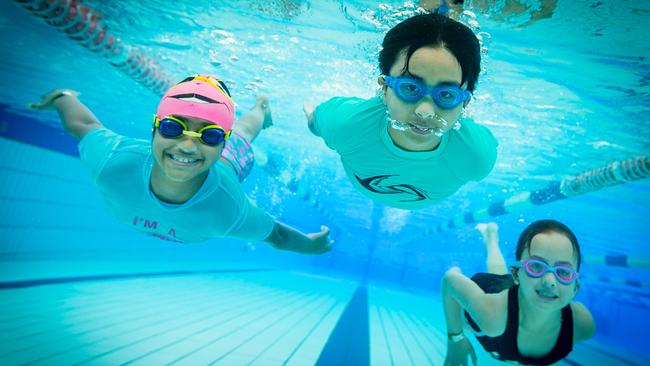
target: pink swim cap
199 98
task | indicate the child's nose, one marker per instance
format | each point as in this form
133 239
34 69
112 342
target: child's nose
187 144
426 106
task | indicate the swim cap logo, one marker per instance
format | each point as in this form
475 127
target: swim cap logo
197 98
373 184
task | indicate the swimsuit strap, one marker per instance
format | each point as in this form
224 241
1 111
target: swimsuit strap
563 344
504 347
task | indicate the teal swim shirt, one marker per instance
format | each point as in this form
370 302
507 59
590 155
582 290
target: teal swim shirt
121 168
357 129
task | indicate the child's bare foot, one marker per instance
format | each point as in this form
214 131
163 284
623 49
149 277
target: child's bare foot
262 102
255 120
489 231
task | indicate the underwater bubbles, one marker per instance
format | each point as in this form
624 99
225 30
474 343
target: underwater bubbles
386 16
268 69
213 57
223 37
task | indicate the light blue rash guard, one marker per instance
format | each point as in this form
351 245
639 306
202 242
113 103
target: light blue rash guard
357 129
121 168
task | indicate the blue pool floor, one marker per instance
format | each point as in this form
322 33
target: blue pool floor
231 318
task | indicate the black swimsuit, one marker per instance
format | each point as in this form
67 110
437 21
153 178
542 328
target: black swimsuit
504 347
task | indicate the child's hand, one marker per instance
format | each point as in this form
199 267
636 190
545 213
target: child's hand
320 242
459 352
308 108
47 99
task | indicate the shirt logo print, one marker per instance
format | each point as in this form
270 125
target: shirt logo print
374 184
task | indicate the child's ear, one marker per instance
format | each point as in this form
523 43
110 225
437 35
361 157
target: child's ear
576 288
515 274
382 88
381 81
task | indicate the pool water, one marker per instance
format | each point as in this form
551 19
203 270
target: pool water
563 95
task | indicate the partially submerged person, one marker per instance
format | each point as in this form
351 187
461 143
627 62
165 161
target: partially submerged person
184 184
527 316
409 147
500 11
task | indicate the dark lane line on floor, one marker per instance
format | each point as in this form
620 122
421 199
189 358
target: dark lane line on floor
349 342
54 281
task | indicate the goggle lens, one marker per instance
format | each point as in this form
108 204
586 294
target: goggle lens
536 268
213 136
170 128
448 97
409 90
564 274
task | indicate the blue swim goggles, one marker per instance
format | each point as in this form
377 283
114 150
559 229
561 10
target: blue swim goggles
411 90
535 268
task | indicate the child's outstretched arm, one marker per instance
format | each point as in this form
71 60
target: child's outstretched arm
76 118
459 348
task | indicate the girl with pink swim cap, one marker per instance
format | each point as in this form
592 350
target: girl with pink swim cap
193 165
201 96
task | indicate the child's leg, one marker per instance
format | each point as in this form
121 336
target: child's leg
495 262
237 152
255 120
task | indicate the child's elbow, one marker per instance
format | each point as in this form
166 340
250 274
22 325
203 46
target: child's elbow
453 271
450 275
311 124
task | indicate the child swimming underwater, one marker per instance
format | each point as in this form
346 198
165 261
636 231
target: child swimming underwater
528 316
409 147
184 184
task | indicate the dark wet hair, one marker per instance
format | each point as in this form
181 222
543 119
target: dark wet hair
433 30
546 226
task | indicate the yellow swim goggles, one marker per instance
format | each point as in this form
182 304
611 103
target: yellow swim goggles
171 127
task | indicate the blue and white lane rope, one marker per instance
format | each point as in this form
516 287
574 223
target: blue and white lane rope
614 173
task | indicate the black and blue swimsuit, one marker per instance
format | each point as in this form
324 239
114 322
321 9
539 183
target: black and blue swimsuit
504 347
